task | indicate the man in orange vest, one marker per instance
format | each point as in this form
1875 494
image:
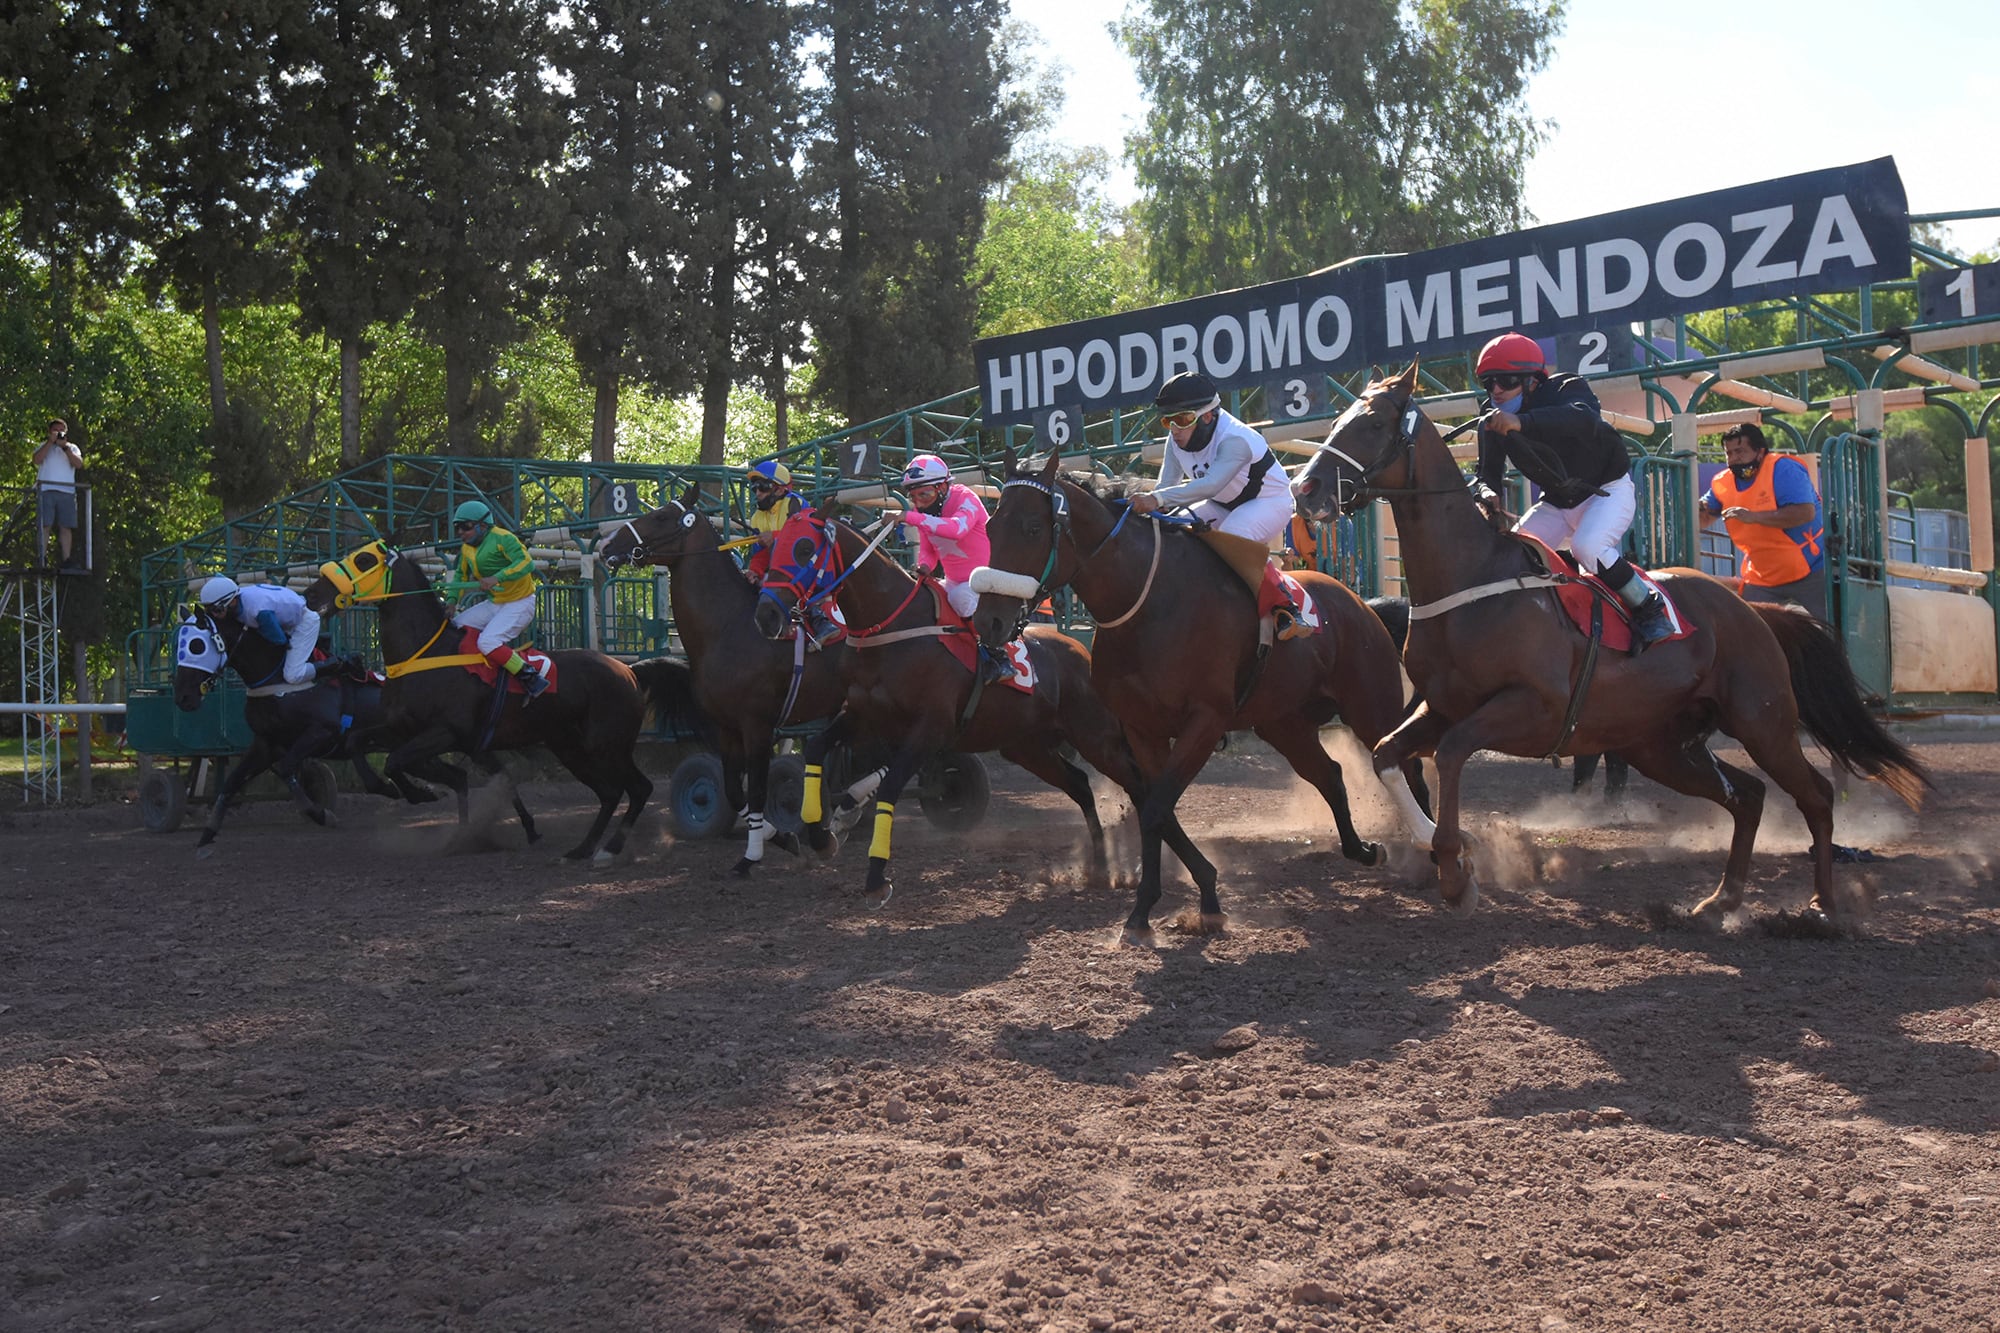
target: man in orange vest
1768 504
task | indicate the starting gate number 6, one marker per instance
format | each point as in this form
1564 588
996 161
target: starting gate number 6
1058 429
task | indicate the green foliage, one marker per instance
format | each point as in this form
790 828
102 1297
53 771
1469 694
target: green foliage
1284 135
1056 250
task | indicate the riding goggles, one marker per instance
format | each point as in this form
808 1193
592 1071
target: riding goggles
1506 382
1180 420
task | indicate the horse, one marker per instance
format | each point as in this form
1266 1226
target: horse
589 719
1501 667
905 687
333 717
328 724
1175 663
1394 613
748 685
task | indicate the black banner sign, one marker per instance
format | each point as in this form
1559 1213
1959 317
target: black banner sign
1820 231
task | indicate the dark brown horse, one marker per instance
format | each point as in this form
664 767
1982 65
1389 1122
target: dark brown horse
906 688
1174 651
589 721
747 685
1498 666
336 716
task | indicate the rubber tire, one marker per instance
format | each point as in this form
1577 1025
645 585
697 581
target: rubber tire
695 803
320 784
956 791
162 800
785 792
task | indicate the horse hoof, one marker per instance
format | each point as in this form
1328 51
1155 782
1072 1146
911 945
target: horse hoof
603 860
1467 901
576 854
203 852
1128 935
319 817
784 842
742 868
1372 854
878 897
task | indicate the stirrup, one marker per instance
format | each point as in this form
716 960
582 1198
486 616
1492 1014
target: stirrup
533 684
1290 625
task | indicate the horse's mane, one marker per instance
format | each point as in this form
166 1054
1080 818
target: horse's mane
1105 488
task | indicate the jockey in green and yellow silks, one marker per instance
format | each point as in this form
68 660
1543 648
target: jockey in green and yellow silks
495 560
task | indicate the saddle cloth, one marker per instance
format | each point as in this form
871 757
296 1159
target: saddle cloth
1576 599
1306 608
486 671
964 645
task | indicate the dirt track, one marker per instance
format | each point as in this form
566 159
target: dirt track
337 1079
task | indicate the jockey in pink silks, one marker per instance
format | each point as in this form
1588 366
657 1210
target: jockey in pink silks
951 527
950 523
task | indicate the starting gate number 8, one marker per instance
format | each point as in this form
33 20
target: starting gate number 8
621 498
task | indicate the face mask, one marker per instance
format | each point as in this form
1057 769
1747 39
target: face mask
1745 473
769 498
936 506
1509 404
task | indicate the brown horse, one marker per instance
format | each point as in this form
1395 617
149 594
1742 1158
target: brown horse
1498 665
748 685
905 687
1175 650
589 721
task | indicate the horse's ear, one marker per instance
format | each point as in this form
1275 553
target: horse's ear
1007 461
1407 381
686 498
1050 468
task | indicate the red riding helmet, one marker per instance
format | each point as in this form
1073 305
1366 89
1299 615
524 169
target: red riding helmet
1511 354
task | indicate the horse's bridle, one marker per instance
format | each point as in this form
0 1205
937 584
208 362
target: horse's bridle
1062 527
1350 493
641 554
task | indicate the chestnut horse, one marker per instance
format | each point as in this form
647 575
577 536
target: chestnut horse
1174 651
1498 664
589 721
907 688
745 684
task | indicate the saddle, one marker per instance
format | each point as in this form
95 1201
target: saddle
1272 587
1580 593
468 646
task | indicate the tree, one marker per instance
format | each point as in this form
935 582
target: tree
343 123
1055 250
472 207
622 284
1285 135
912 134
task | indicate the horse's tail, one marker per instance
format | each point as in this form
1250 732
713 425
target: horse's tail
1831 708
1394 613
668 685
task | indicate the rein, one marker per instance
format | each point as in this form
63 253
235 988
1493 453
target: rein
1043 586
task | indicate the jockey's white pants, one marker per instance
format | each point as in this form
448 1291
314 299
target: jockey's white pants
1592 530
497 622
305 637
1261 520
962 598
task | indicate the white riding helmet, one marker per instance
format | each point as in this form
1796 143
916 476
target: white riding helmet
218 590
926 470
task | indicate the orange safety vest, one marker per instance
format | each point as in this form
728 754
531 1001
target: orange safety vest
1771 557
1305 544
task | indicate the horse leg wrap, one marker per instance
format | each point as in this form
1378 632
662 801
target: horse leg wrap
809 808
865 788
759 830
885 817
1422 829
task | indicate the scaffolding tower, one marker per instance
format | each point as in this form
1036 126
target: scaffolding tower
31 598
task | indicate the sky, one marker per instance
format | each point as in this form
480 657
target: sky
1653 101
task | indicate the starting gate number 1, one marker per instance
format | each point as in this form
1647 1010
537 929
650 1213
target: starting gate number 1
1958 293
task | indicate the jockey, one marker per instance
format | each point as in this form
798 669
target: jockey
950 524
1551 429
777 503
495 560
275 612
1224 473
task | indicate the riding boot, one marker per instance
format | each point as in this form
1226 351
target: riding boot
1650 623
515 665
993 668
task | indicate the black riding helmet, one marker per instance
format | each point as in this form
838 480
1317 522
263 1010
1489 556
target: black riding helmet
1189 391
